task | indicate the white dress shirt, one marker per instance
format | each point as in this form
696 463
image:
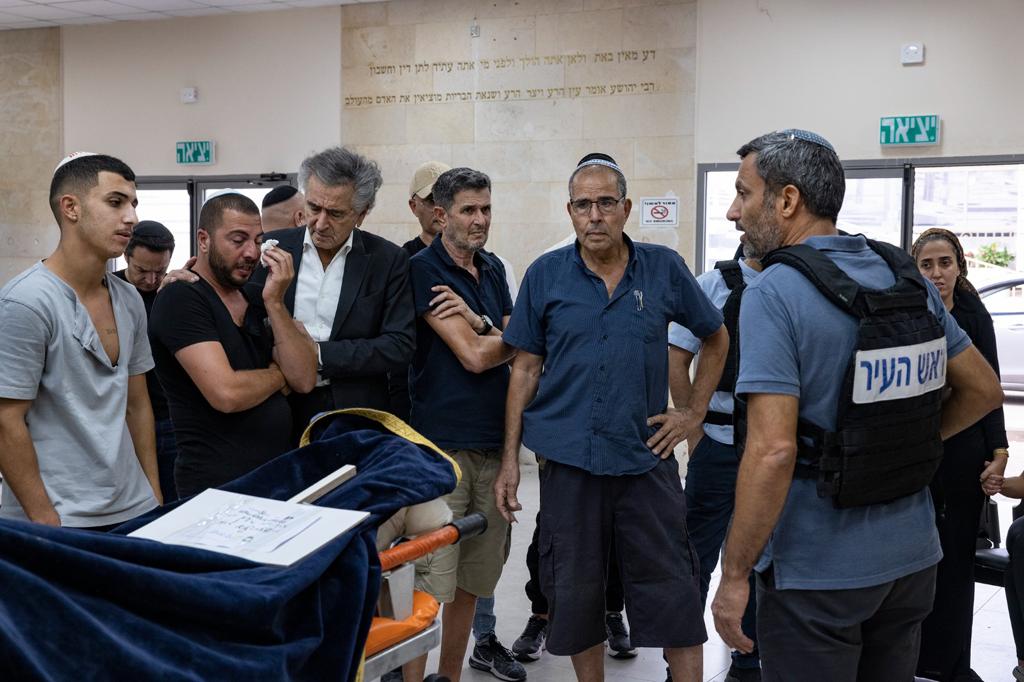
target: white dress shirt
317 291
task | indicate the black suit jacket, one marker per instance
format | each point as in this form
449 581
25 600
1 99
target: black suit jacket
375 325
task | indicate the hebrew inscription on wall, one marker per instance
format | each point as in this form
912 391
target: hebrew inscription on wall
519 70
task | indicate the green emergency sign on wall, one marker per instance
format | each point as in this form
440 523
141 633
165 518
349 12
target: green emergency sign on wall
905 130
195 152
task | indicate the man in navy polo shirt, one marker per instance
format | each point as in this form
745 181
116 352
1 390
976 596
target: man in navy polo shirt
458 383
589 393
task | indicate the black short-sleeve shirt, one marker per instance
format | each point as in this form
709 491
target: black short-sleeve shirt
450 405
215 447
156 394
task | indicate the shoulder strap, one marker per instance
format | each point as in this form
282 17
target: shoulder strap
825 275
731 273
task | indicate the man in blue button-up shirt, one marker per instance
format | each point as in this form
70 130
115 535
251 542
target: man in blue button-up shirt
589 392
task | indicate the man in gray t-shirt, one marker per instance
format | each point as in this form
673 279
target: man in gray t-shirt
77 443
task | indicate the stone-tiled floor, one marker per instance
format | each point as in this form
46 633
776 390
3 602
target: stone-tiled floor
993 654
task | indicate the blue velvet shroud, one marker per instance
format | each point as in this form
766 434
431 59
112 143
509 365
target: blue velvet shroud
79 605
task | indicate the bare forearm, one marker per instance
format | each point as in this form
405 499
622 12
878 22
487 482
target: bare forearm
1013 487
296 353
20 469
679 386
762 485
709 371
248 388
142 428
522 387
961 410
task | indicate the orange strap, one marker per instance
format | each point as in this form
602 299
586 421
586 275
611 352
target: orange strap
418 547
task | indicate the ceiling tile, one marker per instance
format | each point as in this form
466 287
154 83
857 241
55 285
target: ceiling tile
46 12
259 7
198 12
79 21
163 5
100 8
141 16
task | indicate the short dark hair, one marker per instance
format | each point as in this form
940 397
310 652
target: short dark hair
81 174
210 217
341 166
151 235
797 158
450 183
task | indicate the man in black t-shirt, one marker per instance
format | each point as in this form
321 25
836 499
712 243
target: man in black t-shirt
148 254
224 355
421 203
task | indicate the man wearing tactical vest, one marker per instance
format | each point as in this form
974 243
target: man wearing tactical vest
850 375
713 463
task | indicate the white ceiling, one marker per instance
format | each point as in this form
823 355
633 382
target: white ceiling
15 14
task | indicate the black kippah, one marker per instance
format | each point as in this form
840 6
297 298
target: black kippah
279 194
152 235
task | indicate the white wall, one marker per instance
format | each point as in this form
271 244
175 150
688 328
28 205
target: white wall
833 66
269 89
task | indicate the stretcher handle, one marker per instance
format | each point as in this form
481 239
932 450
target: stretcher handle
466 527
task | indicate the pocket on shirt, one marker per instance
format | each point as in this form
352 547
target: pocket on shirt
643 325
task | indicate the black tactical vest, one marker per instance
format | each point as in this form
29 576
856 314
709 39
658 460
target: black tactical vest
732 275
886 444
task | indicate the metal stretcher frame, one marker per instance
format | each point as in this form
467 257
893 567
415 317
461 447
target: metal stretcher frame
397 594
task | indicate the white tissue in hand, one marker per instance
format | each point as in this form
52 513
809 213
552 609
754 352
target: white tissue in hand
268 244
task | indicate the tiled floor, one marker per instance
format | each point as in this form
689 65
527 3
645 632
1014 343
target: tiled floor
992 654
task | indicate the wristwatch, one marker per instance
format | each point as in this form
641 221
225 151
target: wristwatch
488 326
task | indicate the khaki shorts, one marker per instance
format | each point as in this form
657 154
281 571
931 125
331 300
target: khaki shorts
474 565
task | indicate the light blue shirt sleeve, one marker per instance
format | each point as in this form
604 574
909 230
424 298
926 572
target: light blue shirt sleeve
768 359
680 337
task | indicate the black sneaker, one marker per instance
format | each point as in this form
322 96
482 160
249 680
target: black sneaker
529 645
743 674
619 645
392 676
490 656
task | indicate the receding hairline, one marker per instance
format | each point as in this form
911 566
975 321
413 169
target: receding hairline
593 168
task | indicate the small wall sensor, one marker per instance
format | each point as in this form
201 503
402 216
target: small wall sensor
189 95
912 53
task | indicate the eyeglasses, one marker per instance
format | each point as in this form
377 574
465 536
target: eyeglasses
604 205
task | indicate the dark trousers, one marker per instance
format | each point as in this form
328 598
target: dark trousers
166 453
859 635
946 632
710 499
1015 583
305 406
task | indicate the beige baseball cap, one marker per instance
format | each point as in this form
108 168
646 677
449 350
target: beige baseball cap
425 176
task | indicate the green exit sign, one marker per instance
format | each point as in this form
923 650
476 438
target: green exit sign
195 152
901 130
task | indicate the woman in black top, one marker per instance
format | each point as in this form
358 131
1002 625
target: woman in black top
972 467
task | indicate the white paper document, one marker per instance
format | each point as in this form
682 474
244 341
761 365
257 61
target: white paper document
254 528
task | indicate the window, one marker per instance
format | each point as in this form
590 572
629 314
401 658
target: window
872 206
981 199
983 206
176 202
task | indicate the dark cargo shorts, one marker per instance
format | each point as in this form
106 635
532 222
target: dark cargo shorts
645 514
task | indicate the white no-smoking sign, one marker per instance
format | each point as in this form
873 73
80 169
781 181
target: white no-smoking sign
659 212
